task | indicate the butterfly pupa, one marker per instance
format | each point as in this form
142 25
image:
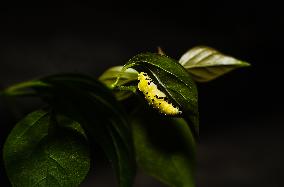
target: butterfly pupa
156 97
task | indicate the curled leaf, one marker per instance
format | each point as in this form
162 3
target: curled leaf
173 80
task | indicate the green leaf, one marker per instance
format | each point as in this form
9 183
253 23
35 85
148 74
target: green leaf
23 88
165 148
127 77
110 76
70 124
206 64
39 152
89 102
173 80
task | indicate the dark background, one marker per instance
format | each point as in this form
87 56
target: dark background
241 141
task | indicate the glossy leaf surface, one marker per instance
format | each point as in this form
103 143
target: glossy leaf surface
173 80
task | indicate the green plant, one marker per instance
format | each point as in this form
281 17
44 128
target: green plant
50 146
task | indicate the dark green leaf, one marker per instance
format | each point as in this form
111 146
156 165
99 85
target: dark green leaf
84 99
89 102
39 152
165 148
206 64
173 80
70 124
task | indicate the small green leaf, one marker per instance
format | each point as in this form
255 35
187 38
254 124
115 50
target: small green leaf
110 76
165 148
173 80
39 152
206 64
127 77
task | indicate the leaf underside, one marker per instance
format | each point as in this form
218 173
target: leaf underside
206 64
126 78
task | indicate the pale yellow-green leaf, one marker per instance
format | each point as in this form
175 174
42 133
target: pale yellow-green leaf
206 64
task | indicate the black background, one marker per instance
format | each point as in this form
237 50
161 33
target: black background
241 141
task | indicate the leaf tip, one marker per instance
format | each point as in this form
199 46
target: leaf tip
160 51
245 64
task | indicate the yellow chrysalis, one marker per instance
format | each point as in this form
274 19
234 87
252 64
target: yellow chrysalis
154 96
